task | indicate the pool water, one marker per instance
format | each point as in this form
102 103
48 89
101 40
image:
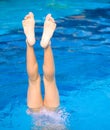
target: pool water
81 46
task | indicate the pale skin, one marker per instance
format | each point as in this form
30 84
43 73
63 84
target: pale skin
34 96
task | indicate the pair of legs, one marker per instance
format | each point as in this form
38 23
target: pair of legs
34 96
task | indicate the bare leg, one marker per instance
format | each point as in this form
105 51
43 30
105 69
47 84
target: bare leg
51 99
34 98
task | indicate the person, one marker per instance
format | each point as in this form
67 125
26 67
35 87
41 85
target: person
34 97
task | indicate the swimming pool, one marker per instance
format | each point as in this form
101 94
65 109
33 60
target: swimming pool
81 46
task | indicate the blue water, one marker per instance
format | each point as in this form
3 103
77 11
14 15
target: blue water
81 46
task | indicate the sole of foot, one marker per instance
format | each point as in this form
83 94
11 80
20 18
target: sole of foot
49 28
28 26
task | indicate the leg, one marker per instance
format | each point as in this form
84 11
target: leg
51 99
34 98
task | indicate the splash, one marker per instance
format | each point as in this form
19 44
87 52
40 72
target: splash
50 120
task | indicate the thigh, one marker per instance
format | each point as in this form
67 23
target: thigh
51 98
34 97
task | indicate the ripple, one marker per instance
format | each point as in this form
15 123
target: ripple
95 37
107 29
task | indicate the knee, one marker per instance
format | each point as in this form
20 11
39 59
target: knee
33 72
48 73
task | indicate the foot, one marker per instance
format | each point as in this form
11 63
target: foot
28 26
49 28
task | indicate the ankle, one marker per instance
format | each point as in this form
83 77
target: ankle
29 44
45 44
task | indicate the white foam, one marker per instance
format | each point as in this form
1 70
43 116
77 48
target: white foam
50 119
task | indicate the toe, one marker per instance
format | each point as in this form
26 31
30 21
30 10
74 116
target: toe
31 14
48 16
52 20
23 22
26 17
